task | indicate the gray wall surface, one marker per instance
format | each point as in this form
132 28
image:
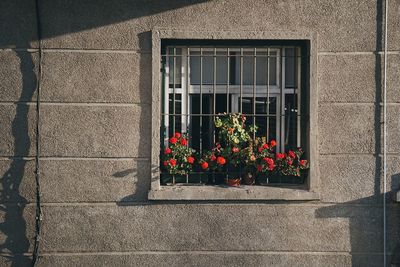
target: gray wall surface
95 138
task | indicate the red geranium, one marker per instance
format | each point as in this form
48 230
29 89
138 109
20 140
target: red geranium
213 157
303 162
221 160
183 142
259 168
167 151
235 149
177 135
172 162
190 159
265 146
173 140
291 154
204 165
272 143
280 155
165 163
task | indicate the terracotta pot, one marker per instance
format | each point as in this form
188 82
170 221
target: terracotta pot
232 182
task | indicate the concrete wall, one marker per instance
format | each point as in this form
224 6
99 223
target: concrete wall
95 139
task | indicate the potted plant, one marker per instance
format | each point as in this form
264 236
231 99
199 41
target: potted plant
291 164
234 138
265 161
178 158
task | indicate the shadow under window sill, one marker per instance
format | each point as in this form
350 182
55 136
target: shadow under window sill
244 192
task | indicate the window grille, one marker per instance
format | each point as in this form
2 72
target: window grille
264 83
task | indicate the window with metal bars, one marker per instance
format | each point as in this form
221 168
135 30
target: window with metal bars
263 82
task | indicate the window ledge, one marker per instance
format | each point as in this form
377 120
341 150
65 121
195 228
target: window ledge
205 192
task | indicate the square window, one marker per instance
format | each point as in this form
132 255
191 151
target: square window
268 81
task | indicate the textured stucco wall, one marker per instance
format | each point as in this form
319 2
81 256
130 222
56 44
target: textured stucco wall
95 139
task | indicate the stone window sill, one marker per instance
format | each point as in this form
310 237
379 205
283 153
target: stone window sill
206 192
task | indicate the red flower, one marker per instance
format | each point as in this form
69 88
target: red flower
172 162
235 149
213 157
165 163
290 161
190 160
177 135
183 142
204 165
167 151
272 143
260 149
265 146
173 140
259 168
221 160
230 130
291 154
280 155
303 162
271 167
269 161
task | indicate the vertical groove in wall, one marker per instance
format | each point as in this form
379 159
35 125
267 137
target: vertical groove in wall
38 216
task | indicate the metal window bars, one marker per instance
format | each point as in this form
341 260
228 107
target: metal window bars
200 82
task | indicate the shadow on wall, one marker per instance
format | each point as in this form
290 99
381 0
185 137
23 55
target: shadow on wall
13 204
59 22
19 17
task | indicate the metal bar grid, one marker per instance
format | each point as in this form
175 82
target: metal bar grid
234 103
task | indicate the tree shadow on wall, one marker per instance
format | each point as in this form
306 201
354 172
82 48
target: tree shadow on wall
13 226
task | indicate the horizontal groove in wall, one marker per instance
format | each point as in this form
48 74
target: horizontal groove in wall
57 103
311 204
93 104
97 51
209 252
356 53
94 158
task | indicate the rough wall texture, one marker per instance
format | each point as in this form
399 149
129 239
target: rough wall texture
95 139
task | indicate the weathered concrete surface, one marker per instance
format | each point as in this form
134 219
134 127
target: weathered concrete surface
109 27
17 131
189 227
347 78
95 131
17 228
199 259
17 180
393 127
393 78
96 77
347 128
349 178
18 70
94 180
18 24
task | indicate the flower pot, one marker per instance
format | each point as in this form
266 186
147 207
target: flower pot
232 182
249 178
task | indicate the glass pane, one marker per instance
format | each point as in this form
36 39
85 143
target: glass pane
175 121
266 124
290 122
290 60
272 67
178 67
222 67
201 127
194 67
